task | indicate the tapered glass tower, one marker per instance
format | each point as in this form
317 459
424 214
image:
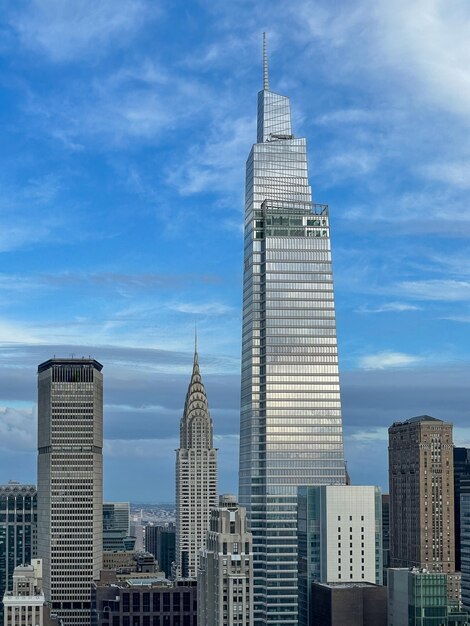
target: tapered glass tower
290 432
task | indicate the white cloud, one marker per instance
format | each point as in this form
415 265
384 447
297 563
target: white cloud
17 429
370 435
386 359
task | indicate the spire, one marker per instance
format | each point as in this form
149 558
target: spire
265 65
195 344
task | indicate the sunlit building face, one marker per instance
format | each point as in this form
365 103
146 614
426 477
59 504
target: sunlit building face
291 430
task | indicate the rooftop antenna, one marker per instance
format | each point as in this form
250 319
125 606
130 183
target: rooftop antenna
265 65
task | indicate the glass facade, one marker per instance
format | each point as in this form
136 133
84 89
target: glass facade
291 430
18 518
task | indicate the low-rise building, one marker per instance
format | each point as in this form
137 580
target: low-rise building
354 604
144 600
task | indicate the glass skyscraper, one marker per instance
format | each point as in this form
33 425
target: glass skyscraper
290 431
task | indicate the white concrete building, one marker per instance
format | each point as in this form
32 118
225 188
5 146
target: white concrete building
225 576
26 604
196 477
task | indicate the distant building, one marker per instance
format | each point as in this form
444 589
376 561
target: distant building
70 483
417 597
26 605
143 601
421 474
18 525
351 604
225 576
461 472
116 524
385 534
196 476
131 561
161 542
339 538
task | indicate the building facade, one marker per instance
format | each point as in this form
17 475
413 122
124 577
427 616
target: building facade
18 525
161 542
116 524
70 483
461 473
225 576
196 476
465 540
291 429
385 534
339 539
421 478
146 601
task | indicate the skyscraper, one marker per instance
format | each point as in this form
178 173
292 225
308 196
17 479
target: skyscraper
196 476
70 483
290 430
225 576
160 541
18 519
421 494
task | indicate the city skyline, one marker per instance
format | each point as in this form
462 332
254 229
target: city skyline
123 165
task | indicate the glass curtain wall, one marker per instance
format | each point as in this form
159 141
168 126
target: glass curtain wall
291 431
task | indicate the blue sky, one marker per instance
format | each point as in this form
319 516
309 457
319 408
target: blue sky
124 132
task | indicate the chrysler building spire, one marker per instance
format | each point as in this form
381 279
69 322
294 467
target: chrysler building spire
196 475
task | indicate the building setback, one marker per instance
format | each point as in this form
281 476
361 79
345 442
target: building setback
70 483
290 421
421 474
18 525
196 476
25 605
225 576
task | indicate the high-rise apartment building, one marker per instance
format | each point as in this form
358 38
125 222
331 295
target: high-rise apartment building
461 474
196 476
385 534
18 520
340 539
70 483
225 576
421 474
116 524
291 430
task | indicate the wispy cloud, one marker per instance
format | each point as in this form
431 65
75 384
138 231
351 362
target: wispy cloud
387 359
66 31
388 307
437 290
208 308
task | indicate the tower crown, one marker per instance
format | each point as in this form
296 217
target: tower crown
196 422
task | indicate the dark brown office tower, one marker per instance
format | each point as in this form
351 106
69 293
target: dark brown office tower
421 473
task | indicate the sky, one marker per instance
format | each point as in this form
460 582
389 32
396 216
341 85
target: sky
124 130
